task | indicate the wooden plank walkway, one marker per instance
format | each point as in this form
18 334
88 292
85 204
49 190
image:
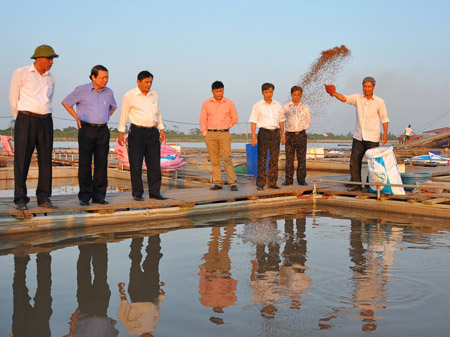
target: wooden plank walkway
122 201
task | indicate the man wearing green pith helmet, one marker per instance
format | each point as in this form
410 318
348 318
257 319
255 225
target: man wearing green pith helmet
30 97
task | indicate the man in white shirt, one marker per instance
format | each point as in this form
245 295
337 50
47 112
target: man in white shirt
370 111
297 117
267 115
408 132
30 97
140 105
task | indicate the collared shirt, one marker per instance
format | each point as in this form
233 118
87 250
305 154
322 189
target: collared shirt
31 91
140 317
297 117
92 106
369 113
268 116
218 115
143 110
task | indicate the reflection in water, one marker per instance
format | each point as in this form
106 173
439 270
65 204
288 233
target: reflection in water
356 286
141 315
371 266
217 287
266 274
295 259
271 282
93 294
31 320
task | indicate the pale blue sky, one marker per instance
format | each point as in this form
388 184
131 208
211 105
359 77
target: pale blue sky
189 44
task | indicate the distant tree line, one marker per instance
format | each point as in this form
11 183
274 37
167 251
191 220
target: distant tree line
194 135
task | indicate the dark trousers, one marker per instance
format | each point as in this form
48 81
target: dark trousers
143 143
268 141
93 291
144 283
93 141
32 318
359 148
30 133
296 145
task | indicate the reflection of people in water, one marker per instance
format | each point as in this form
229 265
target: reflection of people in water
141 315
91 317
31 320
266 277
294 254
370 271
217 287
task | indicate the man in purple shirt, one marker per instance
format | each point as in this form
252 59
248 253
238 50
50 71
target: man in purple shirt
95 104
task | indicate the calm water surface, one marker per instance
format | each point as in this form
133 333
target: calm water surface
291 272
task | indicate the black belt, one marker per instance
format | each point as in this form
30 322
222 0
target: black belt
295 132
218 130
144 127
93 125
271 130
28 113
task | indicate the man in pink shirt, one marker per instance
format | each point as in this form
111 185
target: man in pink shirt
217 117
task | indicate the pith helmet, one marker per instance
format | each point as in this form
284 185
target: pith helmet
44 51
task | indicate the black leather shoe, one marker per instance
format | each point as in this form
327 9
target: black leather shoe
234 188
101 202
21 206
275 187
138 198
286 183
303 183
215 188
354 188
84 203
47 204
259 188
158 197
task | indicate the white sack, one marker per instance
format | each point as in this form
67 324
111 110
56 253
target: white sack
382 167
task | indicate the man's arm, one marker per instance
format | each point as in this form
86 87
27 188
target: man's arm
384 138
124 110
283 139
254 141
14 92
204 120
113 106
73 113
340 97
233 115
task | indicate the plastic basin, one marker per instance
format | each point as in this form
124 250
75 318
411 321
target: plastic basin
412 178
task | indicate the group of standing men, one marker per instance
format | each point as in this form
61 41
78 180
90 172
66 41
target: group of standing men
287 125
93 103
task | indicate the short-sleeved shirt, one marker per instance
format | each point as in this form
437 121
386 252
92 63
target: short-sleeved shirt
297 117
92 106
369 114
267 116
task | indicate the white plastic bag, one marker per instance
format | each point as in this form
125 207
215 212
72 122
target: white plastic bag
382 167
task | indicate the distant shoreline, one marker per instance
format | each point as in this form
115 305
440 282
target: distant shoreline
181 140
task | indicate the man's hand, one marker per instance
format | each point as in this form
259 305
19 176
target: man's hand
283 139
384 138
162 136
121 139
254 141
121 286
78 124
